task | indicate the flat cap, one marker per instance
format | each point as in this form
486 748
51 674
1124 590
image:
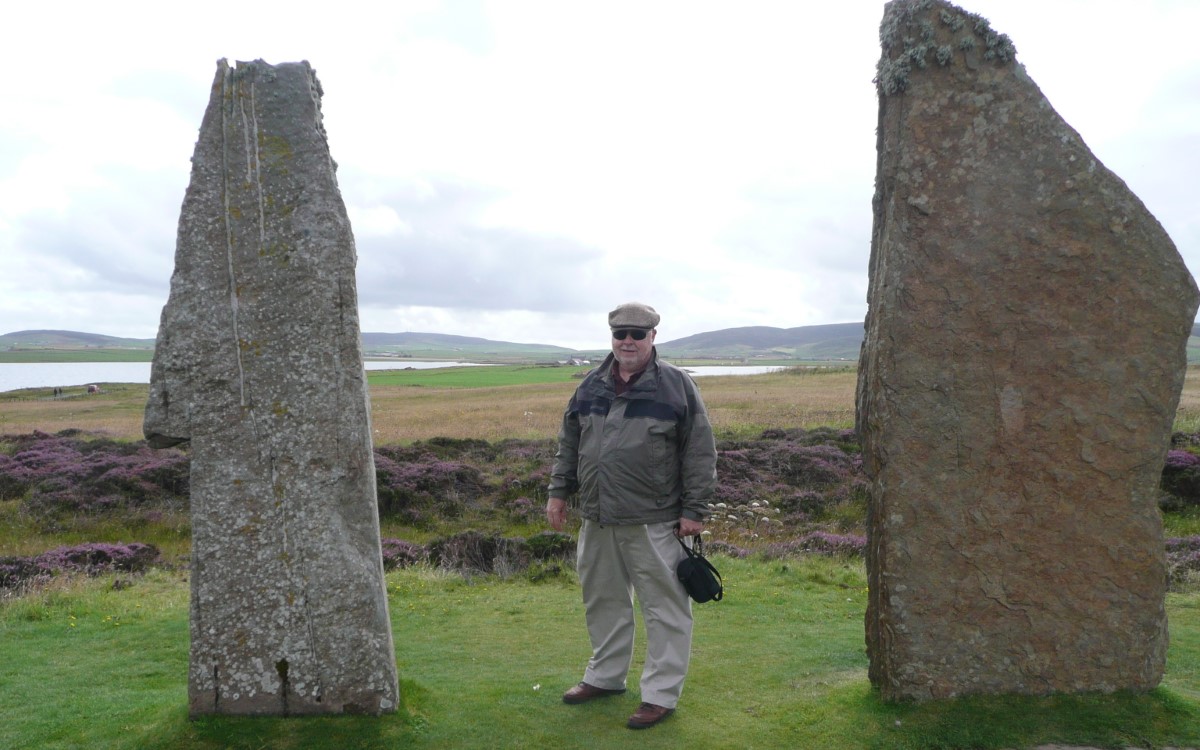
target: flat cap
633 315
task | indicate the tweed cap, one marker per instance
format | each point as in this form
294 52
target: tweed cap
633 315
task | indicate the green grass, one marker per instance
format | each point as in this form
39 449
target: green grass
23 535
475 377
77 355
1182 523
483 663
504 375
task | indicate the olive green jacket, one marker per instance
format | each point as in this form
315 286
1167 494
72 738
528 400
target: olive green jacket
646 456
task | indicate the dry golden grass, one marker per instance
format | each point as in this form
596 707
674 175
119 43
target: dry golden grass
744 405
739 405
1187 416
116 411
403 414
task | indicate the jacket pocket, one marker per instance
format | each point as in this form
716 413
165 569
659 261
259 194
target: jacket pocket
662 451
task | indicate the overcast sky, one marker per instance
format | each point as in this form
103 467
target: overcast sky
515 169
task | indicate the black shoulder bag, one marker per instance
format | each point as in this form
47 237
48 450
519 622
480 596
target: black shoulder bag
699 577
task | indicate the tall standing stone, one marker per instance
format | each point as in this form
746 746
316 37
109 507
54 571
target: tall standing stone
1023 358
259 365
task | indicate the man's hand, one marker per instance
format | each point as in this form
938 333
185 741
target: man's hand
688 527
556 513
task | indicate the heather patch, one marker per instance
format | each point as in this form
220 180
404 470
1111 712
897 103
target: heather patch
471 481
399 553
1183 560
523 510
473 552
787 480
70 473
774 490
1181 473
726 549
818 543
419 486
90 559
551 545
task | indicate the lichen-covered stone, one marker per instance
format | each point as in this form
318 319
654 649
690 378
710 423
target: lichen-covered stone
1023 358
259 365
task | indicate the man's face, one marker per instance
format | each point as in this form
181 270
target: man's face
629 351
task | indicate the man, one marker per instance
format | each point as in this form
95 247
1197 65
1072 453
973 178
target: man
637 449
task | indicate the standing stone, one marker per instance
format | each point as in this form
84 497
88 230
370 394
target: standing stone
1023 359
259 365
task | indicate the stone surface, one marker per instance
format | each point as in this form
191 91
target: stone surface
1023 358
259 365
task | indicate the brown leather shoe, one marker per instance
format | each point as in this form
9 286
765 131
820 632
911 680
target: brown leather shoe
583 692
648 715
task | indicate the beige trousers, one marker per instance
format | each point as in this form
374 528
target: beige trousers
613 563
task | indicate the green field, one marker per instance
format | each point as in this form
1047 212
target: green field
491 376
483 662
488 376
76 355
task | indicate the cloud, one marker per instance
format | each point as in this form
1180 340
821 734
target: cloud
514 169
439 255
116 236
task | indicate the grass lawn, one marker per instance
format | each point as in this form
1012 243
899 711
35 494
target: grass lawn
485 376
779 663
77 355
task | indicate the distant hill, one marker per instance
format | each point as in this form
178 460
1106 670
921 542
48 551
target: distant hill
69 340
440 342
837 341
833 341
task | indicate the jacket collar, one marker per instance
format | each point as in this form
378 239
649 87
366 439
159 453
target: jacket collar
647 382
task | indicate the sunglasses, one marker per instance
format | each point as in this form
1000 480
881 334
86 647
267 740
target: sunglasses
637 333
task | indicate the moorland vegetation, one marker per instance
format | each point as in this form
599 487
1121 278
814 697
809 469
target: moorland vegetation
94 541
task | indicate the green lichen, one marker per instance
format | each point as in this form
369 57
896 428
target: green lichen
908 34
999 47
953 20
892 75
918 54
251 347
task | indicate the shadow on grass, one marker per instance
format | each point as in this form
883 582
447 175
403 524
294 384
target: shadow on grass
1154 719
400 729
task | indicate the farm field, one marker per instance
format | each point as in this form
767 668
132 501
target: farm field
489 403
515 401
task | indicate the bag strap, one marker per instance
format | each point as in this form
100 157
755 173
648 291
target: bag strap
698 554
697 548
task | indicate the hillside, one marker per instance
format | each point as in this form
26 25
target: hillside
837 341
833 341
68 340
410 343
